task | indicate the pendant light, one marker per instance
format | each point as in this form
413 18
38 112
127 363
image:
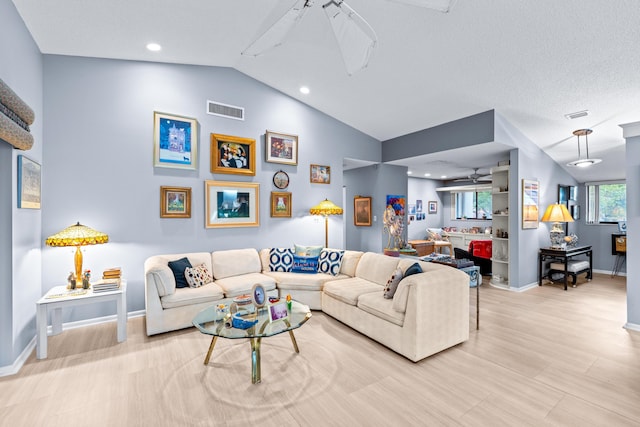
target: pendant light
587 161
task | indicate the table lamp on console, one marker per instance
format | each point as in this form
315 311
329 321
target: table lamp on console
77 235
557 213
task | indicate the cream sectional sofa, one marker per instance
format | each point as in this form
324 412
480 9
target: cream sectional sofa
428 313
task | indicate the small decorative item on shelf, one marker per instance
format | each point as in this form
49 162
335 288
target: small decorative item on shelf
571 240
71 280
289 302
85 279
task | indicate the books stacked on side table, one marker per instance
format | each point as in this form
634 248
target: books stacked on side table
110 280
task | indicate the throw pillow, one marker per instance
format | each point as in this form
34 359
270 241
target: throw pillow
414 269
178 268
280 259
197 276
433 235
330 261
313 251
392 284
304 264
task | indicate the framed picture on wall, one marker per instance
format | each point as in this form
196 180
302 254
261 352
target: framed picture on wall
175 141
433 207
29 183
362 211
232 204
281 148
175 202
280 204
530 199
320 174
233 155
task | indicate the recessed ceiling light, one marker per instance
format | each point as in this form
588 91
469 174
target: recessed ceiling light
443 176
305 90
427 174
154 47
409 172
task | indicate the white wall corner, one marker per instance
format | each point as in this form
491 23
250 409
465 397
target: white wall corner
629 130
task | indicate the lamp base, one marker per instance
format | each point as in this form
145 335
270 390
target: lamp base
557 239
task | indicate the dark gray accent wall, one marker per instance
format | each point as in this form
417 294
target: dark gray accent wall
99 121
20 229
472 130
376 181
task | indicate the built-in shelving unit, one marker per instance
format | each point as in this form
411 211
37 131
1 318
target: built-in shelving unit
500 226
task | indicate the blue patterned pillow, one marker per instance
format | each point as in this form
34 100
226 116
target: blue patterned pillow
280 259
330 261
305 264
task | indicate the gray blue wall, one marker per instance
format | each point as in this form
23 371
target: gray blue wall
376 181
20 232
99 124
633 225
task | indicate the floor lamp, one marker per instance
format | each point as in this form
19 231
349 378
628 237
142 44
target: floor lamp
326 208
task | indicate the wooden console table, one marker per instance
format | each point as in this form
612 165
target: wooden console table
563 255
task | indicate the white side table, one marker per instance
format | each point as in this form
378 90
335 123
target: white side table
59 297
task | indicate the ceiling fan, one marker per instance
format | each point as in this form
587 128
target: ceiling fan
475 177
356 39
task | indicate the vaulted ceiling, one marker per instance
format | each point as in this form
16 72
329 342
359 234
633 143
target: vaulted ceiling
531 61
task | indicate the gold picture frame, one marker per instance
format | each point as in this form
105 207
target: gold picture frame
232 204
320 174
280 204
175 202
362 211
233 155
281 148
175 141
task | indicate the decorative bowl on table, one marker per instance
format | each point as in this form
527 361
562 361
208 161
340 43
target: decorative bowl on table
243 299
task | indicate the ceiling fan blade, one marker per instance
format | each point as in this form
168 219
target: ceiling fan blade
275 35
443 6
356 39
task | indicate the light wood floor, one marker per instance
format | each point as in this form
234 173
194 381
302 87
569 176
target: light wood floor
541 357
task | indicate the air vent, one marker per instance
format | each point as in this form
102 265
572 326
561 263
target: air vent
224 110
577 114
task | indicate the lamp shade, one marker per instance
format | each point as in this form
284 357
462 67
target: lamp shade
557 213
326 207
77 235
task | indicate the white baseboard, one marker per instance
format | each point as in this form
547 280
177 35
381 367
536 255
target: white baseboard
632 326
15 367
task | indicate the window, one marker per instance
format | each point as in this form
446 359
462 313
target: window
471 205
606 202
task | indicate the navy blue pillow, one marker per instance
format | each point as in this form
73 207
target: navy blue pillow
414 269
304 264
178 268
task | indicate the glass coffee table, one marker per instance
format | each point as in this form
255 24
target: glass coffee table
268 322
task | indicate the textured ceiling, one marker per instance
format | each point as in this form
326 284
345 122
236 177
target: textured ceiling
531 61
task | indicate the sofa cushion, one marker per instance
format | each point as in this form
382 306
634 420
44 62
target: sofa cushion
307 282
348 290
413 269
197 276
189 296
350 261
392 283
330 261
239 285
234 262
380 307
376 268
307 250
178 267
305 264
280 259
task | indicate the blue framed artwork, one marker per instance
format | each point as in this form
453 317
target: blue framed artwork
175 141
397 203
29 183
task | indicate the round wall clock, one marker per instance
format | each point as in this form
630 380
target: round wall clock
281 180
